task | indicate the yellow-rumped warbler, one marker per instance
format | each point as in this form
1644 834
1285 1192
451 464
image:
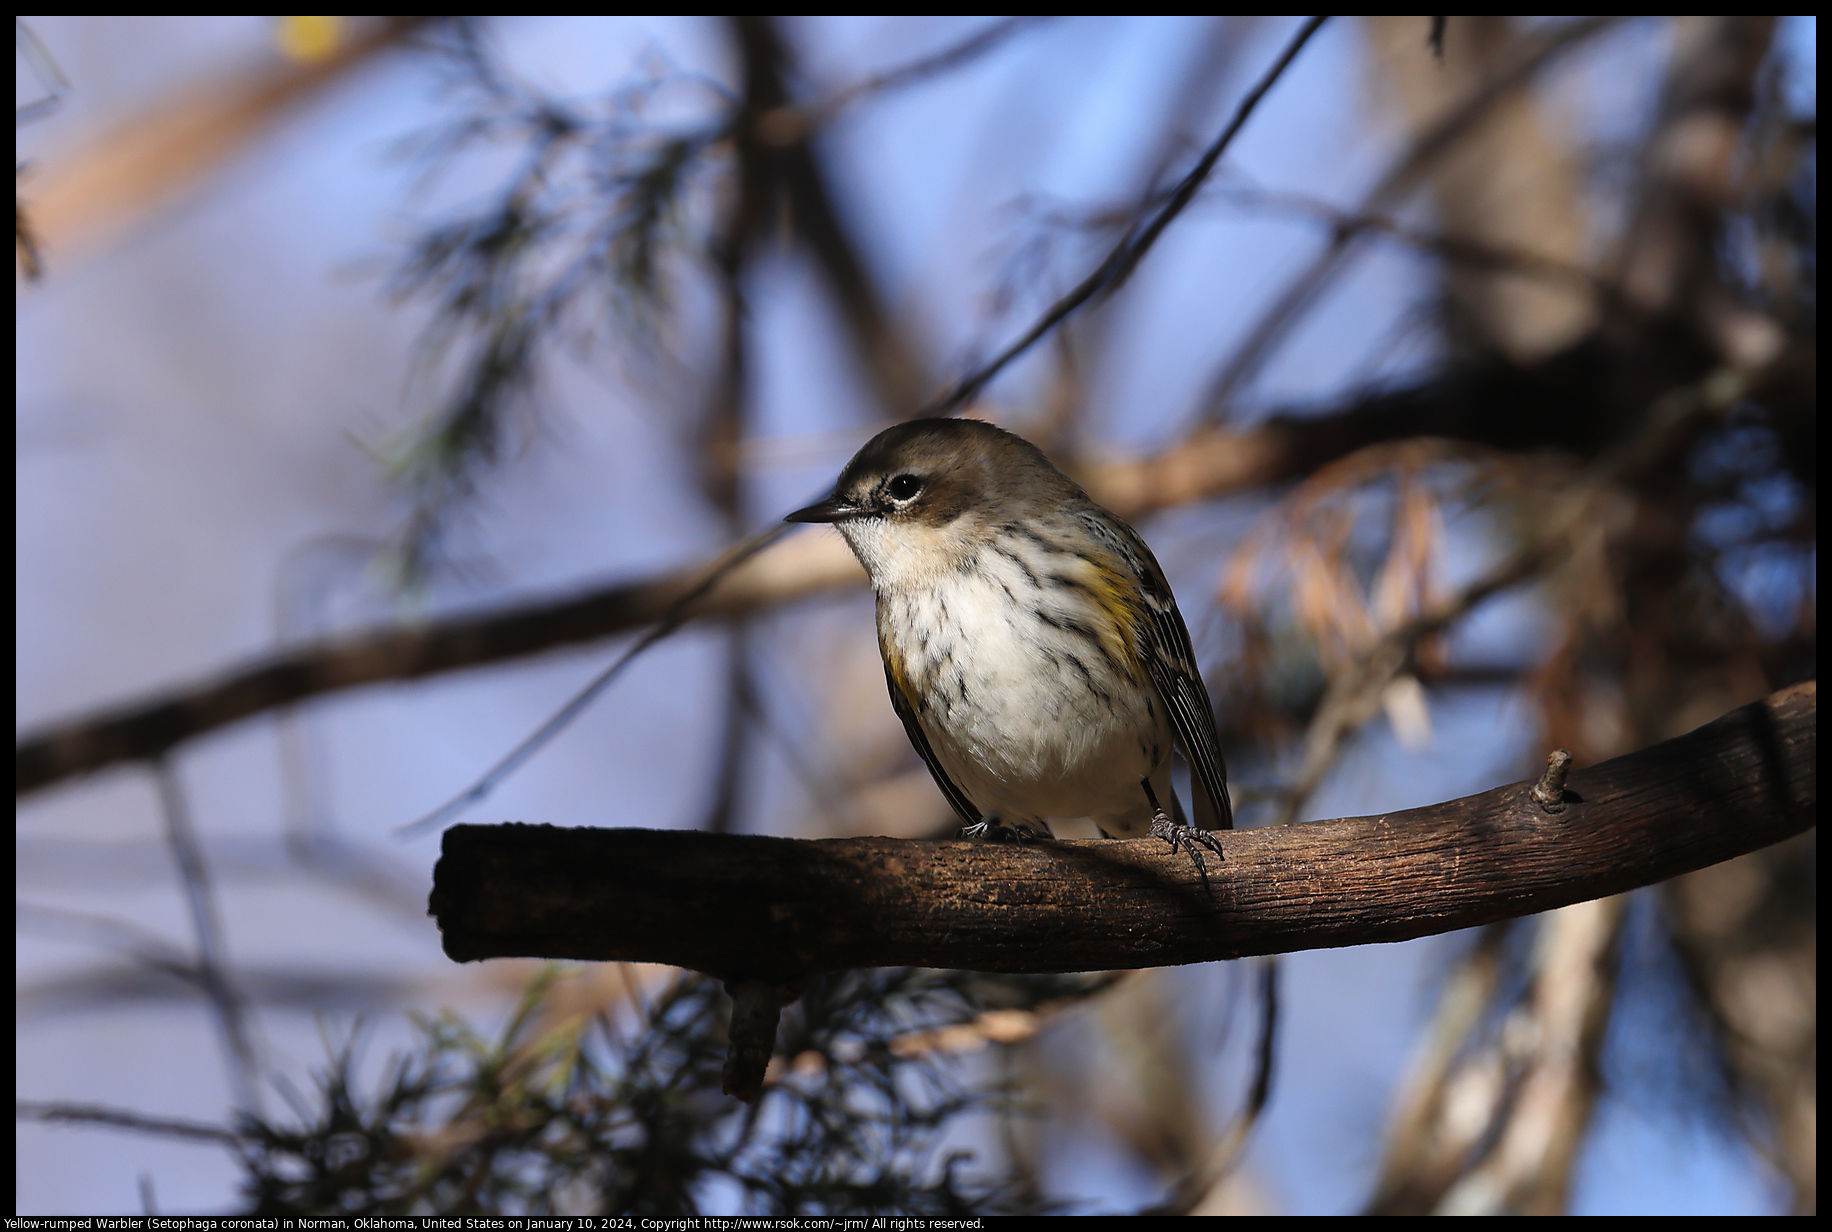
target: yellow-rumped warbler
1032 646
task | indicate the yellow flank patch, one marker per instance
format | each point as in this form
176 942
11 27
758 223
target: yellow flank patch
893 663
1119 632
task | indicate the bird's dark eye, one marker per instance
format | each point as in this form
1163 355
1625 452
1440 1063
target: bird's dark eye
903 487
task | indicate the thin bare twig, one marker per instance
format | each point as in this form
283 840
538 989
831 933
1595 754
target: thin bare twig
1225 1156
117 1118
785 125
673 619
1405 174
1126 255
1525 1162
1354 695
1453 248
123 937
148 727
225 999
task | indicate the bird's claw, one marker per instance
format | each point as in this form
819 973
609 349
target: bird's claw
992 830
1188 838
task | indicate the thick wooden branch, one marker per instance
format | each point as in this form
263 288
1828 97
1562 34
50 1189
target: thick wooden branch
748 908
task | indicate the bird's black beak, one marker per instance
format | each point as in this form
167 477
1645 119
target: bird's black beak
833 509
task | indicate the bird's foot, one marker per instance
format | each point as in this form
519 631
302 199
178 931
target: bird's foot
1189 838
992 830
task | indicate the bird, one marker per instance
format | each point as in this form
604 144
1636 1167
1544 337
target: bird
1031 644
